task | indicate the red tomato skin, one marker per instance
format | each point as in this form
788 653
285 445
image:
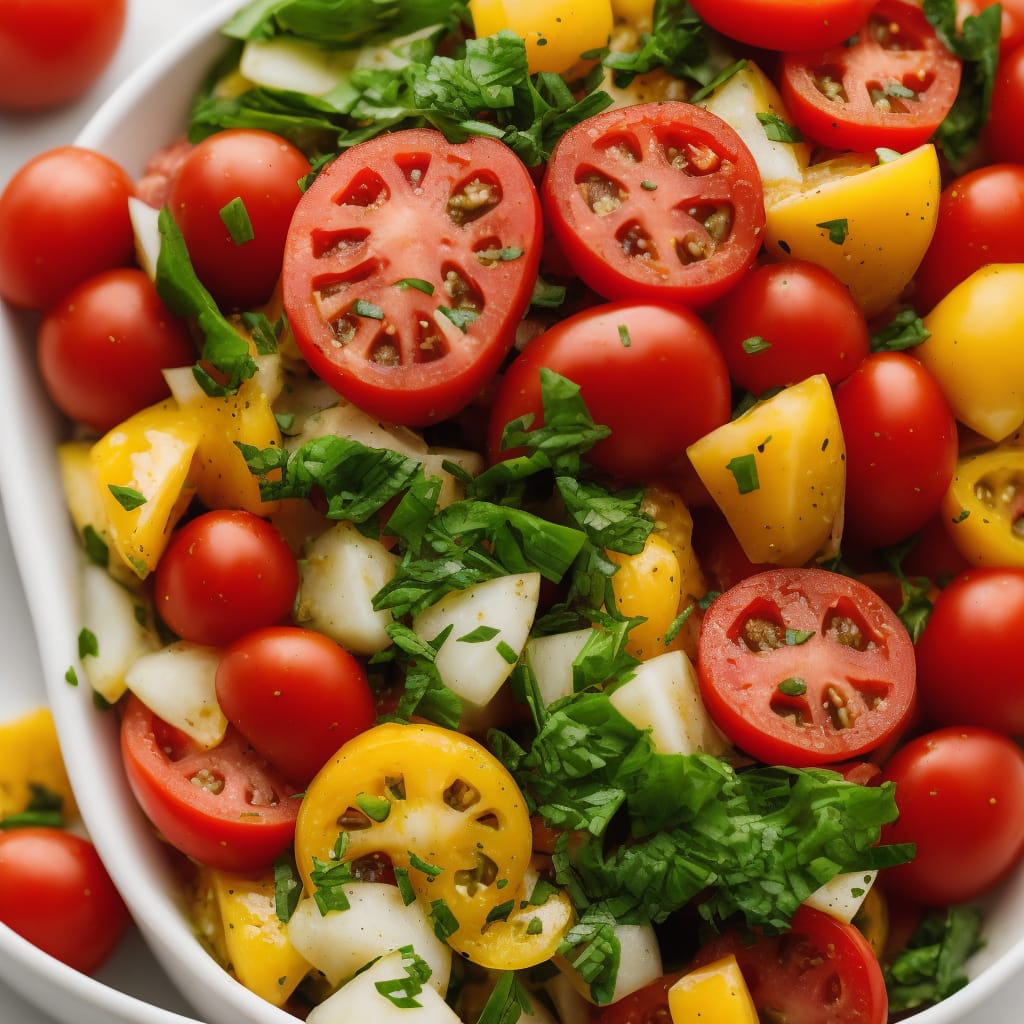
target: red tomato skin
740 669
1001 134
241 828
786 24
806 316
63 219
53 50
264 171
856 122
718 172
976 225
1011 24
960 794
295 695
901 448
822 971
968 659
103 346
224 573
55 893
648 1005
660 392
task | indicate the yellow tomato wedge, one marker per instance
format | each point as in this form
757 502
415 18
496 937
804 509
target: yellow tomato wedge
713 993
869 223
778 473
29 757
557 32
975 350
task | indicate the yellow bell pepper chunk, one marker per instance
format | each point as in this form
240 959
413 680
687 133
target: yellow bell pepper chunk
714 993
778 473
30 755
647 584
557 32
870 224
255 940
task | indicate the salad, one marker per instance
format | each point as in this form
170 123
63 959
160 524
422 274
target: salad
539 561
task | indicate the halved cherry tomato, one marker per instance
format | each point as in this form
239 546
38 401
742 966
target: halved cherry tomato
1001 136
786 24
821 971
655 201
409 263
805 667
225 807
891 87
648 1005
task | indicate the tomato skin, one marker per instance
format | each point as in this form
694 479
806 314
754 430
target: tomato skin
786 24
1011 24
852 653
242 826
103 346
971 635
821 971
387 285
665 388
224 573
55 892
53 50
649 226
804 314
648 1005
1001 132
264 171
63 219
897 44
975 226
295 695
901 448
965 775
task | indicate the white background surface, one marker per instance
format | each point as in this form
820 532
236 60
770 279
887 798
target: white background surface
150 24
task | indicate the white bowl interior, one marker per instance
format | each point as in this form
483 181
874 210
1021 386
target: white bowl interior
145 113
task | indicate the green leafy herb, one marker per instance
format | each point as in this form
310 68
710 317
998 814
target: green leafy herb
744 471
794 686
330 877
796 637
778 130
755 344
424 693
501 911
236 219
837 229
903 331
376 808
402 992
446 924
44 810
405 887
87 643
462 318
96 549
593 948
507 1002
420 864
127 497
479 635
369 310
624 337
287 888
649 186
546 295
71 676
415 282
917 605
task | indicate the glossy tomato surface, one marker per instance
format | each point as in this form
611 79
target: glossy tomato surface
649 371
786 24
658 201
805 667
409 263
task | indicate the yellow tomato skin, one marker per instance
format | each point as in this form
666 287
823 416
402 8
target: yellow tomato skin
984 504
870 224
30 756
557 32
636 12
647 584
715 992
975 353
794 442
149 453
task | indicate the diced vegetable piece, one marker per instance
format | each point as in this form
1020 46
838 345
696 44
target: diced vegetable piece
30 756
551 657
639 964
715 992
843 895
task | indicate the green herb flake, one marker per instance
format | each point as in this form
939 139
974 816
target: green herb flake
462 318
402 992
417 283
501 911
510 654
744 471
96 549
624 337
479 635
837 229
905 330
71 676
88 645
287 888
405 889
794 686
127 497
778 130
796 637
649 186
964 513
535 926
236 219
755 345
376 808
368 310
507 1002
421 865
446 924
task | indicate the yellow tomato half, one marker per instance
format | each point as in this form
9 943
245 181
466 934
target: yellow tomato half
870 224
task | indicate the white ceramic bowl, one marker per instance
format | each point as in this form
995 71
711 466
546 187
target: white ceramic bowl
146 112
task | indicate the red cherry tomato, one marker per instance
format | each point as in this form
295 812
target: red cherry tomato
53 50
821 971
785 322
805 667
650 372
263 171
410 262
226 807
891 87
102 348
786 24
648 1005
977 224
224 574
63 219
295 695
55 892
972 634
960 794
901 448
1002 130
658 201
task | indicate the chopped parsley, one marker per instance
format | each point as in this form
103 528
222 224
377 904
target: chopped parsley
837 229
402 992
744 471
778 130
236 219
127 497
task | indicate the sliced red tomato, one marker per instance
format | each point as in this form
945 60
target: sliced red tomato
655 201
805 667
890 87
225 807
821 971
786 24
409 264
648 1005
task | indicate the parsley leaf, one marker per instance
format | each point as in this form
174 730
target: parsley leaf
903 331
402 992
506 1003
